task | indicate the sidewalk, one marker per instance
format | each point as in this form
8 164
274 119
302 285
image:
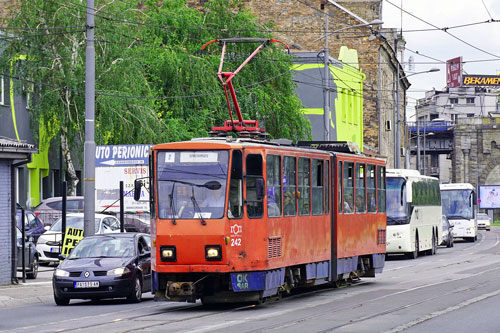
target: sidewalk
31 292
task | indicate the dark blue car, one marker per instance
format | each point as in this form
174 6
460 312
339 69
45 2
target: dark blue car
32 224
105 266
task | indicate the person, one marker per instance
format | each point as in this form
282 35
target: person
182 200
373 206
347 203
214 199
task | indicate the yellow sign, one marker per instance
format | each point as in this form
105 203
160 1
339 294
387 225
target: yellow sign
71 238
481 80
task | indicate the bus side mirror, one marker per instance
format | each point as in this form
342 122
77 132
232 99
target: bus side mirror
137 189
260 188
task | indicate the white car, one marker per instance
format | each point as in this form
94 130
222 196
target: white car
483 221
49 244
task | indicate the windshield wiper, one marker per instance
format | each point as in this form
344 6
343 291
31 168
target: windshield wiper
197 207
456 217
401 220
172 204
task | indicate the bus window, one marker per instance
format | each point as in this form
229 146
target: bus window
381 189
327 187
255 205
339 190
370 188
348 181
273 172
235 206
317 187
397 207
289 186
304 186
360 188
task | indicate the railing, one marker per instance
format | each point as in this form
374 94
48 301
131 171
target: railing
427 126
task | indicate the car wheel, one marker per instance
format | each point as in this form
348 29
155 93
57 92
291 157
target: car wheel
136 294
34 269
61 300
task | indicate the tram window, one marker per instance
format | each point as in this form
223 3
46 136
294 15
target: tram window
273 173
289 186
255 204
327 187
360 188
381 188
235 203
304 186
317 187
339 187
370 188
348 180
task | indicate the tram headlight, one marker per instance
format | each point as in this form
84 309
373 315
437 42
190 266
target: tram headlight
168 253
213 252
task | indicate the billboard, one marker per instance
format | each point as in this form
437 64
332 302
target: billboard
454 72
489 196
481 80
121 163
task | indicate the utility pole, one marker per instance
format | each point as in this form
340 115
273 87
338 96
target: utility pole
326 79
89 146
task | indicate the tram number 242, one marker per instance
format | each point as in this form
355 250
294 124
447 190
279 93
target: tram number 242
236 241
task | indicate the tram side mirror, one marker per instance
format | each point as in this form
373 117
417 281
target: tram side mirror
137 189
260 188
213 185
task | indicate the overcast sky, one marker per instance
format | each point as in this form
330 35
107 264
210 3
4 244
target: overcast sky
439 44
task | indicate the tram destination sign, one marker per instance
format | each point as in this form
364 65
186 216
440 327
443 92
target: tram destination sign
481 80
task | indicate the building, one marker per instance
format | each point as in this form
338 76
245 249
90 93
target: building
301 24
438 114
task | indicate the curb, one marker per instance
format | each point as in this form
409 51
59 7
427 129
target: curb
14 302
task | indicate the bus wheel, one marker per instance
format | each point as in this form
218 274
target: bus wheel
414 254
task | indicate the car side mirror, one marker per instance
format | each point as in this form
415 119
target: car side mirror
46 228
61 257
137 189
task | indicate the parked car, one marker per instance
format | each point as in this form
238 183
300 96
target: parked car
50 209
483 221
31 256
49 244
446 232
105 266
135 221
33 227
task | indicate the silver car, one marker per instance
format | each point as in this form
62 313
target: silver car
50 209
483 221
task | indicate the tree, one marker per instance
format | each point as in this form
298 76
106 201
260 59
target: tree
151 83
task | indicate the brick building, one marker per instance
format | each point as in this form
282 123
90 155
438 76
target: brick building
301 23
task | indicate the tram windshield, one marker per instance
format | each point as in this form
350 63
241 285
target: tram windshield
192 184
397 208
457 204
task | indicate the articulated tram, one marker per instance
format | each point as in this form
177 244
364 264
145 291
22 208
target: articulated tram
242 219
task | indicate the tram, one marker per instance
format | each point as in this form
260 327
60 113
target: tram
243 218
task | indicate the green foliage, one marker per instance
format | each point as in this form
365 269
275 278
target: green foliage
158 57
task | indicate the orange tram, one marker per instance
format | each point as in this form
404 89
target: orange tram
243 219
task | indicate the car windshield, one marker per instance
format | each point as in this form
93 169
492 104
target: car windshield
192 184
457 204
396 201
73 222
482 217
103 247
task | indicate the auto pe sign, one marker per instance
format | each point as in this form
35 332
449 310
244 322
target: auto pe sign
121 163
71 237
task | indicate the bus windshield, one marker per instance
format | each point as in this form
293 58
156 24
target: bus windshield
192 184
397 212
457 204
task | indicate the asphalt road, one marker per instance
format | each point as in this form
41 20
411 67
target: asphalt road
456 290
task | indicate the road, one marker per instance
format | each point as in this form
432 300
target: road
458 290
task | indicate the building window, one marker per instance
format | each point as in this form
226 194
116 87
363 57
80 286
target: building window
470 100
454 100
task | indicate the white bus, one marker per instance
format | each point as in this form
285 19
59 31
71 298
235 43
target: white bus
414 214
459 205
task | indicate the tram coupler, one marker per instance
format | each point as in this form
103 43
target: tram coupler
181 291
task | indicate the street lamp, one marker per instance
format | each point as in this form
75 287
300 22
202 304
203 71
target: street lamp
397 143
326 82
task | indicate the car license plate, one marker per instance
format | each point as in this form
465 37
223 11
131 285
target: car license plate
54 249
87 284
